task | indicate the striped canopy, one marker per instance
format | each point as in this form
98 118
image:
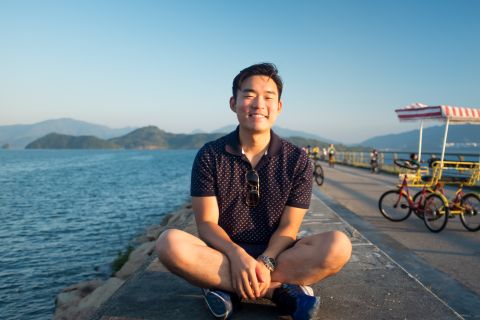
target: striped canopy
418 111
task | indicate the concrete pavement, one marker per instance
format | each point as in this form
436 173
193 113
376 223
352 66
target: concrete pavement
371 286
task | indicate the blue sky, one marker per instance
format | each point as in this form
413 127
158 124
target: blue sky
346 64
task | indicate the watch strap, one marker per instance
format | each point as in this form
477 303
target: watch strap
269 262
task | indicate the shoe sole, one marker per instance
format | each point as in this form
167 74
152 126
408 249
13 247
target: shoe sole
216 315
316 308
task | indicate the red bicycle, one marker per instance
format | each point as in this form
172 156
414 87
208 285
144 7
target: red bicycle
397 205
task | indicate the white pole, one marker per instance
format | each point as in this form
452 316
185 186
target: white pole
420 142
444 141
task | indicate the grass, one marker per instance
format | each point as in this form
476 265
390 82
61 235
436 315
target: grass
121 259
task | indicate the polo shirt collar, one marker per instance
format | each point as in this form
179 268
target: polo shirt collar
233 146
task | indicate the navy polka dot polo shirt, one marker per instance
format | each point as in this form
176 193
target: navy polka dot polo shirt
285 175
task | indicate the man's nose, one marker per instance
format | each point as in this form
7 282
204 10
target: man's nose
259 102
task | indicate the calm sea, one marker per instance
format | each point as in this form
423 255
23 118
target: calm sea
65 215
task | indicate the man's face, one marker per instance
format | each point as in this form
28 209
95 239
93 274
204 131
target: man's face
257 105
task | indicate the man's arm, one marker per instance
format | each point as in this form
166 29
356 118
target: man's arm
206 217
242 265
282 238
286 232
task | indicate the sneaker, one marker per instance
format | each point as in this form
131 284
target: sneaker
297 301
219 302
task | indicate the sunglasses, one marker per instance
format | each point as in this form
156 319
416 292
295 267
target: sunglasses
253 195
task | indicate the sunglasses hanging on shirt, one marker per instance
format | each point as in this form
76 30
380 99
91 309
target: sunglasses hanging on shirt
253 182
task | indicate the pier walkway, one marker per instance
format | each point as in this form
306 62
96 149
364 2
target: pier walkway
377 283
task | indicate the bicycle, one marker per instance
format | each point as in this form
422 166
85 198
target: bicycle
318 175
397 205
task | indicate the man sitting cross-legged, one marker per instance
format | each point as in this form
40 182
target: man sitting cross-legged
250 191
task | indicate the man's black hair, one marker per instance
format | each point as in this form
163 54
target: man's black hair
260 69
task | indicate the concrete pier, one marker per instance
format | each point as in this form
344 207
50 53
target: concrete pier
371 286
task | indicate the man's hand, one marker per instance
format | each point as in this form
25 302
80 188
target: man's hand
244 275
264 278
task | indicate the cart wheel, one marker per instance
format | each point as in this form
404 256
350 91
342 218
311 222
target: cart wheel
470 216
394 206
435 212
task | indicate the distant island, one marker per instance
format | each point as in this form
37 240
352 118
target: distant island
145 138
66 133
148 138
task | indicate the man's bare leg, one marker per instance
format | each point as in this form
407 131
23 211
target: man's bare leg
190 258
312 259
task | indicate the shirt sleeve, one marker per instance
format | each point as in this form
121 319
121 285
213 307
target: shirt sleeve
301 192
202 181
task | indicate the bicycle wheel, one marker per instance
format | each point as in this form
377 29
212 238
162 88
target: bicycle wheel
394 206
435 212
419 211
470 216
318 174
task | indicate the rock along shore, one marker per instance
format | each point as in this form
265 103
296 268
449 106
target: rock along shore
81 300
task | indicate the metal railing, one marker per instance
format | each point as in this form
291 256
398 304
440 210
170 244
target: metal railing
385 158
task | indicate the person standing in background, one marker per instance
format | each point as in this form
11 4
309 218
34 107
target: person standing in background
331 155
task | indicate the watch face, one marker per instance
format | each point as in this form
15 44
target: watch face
273 262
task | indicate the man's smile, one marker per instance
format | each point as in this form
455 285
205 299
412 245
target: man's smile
257 115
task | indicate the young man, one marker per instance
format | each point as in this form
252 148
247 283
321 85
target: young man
250 191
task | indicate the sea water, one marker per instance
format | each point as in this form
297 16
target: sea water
65 215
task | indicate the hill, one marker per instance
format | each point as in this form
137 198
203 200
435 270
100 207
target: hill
149 137
18 136
144 138
62 141
461 138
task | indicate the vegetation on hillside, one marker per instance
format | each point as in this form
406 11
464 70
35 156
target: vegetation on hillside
62 141
152 137
144 138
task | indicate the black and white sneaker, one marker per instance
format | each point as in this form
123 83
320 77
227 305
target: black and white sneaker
219 303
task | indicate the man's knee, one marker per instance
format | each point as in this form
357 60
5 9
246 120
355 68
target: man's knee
339 251
168 247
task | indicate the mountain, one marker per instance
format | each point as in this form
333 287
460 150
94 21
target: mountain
144 138
461 138
149 137
62 141
283 132
18 136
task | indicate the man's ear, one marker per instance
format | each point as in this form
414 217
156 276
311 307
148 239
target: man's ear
280 106
232 104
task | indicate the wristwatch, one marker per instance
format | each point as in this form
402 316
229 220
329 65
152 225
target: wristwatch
269 262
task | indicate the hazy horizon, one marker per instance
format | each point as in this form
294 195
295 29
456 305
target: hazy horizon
214 130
